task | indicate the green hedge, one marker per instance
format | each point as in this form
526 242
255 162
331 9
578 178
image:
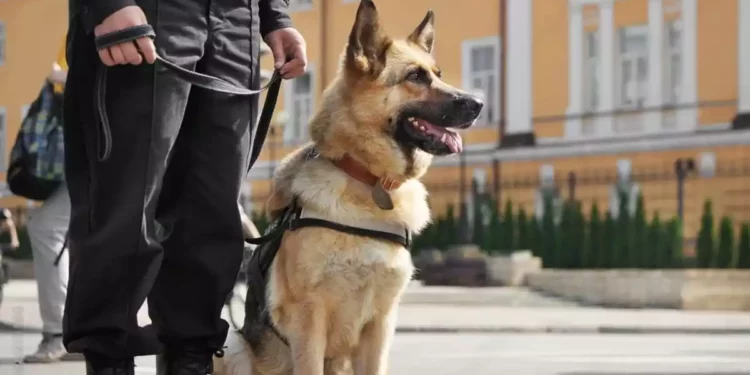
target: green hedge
574 240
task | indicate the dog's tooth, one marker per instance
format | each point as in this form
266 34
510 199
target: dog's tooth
442 139
412 119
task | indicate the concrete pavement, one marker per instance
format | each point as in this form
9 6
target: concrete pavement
422 346
493 354
498 310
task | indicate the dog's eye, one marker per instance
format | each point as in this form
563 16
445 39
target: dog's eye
418 76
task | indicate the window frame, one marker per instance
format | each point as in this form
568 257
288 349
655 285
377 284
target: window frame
633 57
289 135
468 76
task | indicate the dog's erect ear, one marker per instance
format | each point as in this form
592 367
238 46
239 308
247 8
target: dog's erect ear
424 34
367 41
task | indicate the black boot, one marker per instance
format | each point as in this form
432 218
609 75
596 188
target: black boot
97 365
186 361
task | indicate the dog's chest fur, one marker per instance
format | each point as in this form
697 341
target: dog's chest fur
356 278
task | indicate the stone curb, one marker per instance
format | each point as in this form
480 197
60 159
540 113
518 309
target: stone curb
578 330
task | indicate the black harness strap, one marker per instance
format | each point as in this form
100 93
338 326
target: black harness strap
201 80
298 222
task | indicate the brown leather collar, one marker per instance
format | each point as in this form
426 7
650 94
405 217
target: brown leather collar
360 173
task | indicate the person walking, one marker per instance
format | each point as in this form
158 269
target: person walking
170 157
47 227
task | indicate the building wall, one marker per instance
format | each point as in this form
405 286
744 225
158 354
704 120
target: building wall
33 32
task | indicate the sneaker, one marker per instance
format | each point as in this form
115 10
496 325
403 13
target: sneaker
51 349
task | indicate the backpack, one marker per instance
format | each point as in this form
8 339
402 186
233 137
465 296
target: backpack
37 159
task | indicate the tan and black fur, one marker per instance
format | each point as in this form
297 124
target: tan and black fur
334 295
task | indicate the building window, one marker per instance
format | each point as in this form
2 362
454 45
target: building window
3 42
299 104
633 66
674 61
481 75
591 73
299 5
3 131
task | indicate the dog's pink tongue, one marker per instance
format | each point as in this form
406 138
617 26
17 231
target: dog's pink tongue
454 143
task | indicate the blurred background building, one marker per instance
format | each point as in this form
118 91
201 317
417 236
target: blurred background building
586 100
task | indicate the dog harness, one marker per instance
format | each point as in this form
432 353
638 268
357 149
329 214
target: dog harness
257 319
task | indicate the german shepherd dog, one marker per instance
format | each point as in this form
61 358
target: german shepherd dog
331 294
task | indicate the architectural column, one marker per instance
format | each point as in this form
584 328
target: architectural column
653 119
518 84
743 102
575 70
607 43
688 118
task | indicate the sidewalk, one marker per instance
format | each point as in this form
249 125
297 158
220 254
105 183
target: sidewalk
459 310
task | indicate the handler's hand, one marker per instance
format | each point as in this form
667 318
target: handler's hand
126 53
288 44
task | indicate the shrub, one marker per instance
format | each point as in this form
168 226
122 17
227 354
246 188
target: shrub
743 258
607 254
640 251
621 257
524 230
705 245
491 239
657 255
725 254
508 239
594 245
549 237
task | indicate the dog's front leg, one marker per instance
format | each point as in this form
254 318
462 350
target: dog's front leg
371 357
307 338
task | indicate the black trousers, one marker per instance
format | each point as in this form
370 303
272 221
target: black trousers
159 218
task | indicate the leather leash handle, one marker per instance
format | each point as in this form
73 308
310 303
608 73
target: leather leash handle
201 80
198 79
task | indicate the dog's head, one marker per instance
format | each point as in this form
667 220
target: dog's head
390 100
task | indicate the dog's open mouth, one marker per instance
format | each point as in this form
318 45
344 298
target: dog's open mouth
446 136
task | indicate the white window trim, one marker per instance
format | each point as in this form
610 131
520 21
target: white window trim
687 118
294 6
466 47
3 42
3 135
668 53
288 89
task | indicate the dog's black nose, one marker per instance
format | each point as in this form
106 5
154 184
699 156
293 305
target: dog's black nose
473 104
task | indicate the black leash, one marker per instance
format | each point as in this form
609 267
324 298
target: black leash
201 80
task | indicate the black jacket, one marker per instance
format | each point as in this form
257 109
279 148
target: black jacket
272 13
